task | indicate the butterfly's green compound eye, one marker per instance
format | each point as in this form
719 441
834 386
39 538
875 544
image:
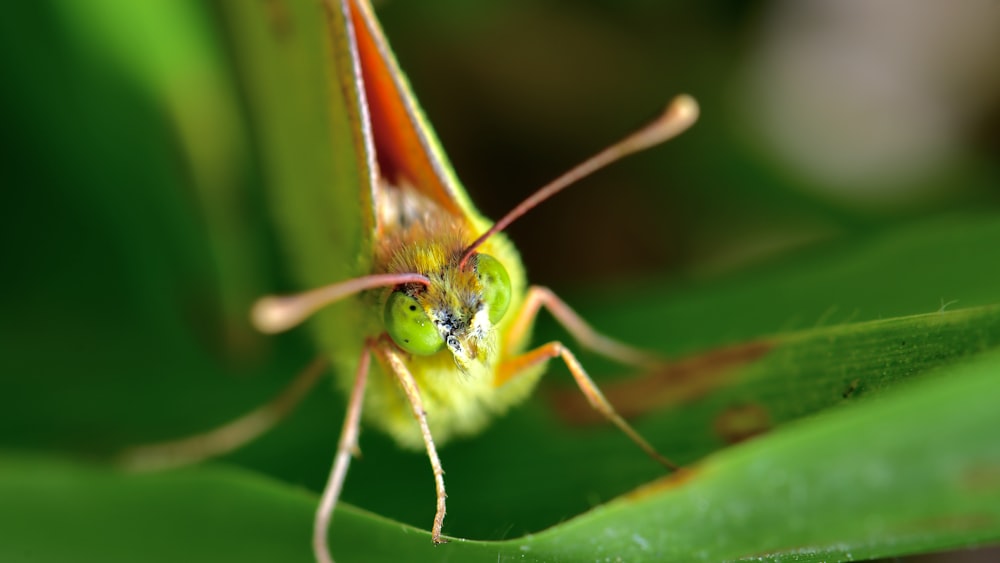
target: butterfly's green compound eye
496 285
409 327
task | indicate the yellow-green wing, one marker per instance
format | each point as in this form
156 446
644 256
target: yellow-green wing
295 60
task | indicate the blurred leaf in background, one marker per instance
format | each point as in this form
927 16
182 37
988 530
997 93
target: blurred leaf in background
844 172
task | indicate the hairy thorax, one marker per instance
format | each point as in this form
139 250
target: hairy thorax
456 384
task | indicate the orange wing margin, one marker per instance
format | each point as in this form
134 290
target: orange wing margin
401 150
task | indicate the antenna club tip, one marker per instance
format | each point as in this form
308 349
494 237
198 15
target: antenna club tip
271 315
684 105
683 109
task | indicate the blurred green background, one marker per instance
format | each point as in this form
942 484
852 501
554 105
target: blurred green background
135 233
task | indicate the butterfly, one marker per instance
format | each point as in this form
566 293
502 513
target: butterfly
423 310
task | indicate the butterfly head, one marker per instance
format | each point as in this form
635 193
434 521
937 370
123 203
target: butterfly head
457 311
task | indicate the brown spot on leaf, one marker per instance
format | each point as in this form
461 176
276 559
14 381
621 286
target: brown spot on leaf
671 384
675 480
982 478
741 422
851 389
951 523
278 19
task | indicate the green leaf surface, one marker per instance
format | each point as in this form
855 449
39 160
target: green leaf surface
909 472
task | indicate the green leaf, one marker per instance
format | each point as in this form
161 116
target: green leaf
915 471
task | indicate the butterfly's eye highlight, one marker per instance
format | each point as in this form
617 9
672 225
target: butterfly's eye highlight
496 285
410 328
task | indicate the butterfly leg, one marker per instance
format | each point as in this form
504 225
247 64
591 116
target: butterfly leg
512 367
228 437
413 395
346 447
578 328
589 338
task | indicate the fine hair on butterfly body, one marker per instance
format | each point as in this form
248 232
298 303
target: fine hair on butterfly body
447 309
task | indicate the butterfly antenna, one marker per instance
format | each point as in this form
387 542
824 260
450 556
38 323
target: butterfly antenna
679 115
278 313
